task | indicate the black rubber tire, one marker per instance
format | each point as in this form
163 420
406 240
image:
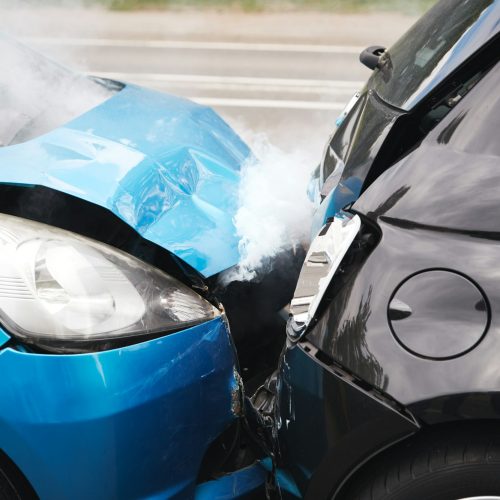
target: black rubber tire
7 489
13 484
439 465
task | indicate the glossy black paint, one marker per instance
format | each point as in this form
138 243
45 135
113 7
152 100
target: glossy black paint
356 143
329 423
425 320
451 181
476 407
437 209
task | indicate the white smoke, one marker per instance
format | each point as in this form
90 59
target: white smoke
38 94
274 212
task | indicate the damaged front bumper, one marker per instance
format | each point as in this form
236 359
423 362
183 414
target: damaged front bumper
133 422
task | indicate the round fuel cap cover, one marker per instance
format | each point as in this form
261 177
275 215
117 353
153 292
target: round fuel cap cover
438 314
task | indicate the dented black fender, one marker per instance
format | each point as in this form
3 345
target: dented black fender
330 422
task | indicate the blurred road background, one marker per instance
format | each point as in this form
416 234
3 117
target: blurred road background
283 74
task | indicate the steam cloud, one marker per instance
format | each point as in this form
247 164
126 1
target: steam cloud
274 212
38 94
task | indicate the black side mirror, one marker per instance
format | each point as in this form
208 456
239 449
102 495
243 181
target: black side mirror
370 57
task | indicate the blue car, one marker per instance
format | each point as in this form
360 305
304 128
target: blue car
119 372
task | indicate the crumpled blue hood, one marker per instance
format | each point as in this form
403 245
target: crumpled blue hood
166 166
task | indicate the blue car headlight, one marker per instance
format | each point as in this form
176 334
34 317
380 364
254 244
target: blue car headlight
61 290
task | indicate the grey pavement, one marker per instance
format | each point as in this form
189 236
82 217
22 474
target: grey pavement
286 75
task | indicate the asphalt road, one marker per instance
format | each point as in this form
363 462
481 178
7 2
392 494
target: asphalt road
283 75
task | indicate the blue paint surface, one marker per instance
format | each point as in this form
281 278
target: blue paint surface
346 192
128 423
166 166
286 483
239 484
4 337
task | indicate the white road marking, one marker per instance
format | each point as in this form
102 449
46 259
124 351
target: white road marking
268 103
223 79
172 86
197 45
226 83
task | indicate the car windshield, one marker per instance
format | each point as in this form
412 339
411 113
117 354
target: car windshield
38 95
437 44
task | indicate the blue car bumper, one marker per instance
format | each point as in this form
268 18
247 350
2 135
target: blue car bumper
133 422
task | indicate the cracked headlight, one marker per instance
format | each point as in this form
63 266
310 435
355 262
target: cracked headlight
60 290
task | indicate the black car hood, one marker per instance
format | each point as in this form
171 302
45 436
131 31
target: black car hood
450 181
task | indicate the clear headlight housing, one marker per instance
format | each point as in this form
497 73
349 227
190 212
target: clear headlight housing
62 290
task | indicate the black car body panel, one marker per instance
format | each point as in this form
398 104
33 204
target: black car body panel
348 421
359 138
407 334
352 151
452 180
436 210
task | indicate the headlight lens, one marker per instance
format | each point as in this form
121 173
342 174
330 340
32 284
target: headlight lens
58 287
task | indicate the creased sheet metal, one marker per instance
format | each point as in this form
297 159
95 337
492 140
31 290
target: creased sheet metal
168 167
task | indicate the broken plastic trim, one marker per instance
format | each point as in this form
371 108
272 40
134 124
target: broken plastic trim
323 258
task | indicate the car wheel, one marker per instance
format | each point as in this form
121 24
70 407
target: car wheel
459 465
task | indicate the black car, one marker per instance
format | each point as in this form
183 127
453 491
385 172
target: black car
389 386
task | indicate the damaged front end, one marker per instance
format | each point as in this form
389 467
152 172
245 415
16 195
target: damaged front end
320 421
136 197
